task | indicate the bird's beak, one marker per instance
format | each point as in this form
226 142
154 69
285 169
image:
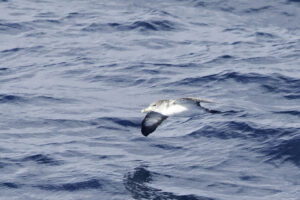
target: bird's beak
146 110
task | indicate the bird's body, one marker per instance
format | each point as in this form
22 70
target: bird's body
158 111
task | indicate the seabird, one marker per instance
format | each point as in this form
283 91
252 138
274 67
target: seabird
158 111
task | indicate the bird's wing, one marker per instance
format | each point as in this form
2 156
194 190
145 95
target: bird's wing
151 121
198 100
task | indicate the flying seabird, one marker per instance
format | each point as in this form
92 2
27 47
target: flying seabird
158 111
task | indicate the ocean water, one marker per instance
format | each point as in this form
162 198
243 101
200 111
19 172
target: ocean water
74 76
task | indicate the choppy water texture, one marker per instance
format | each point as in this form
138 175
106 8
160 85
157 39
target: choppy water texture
74 76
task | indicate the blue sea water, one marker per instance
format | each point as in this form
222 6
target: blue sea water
74 76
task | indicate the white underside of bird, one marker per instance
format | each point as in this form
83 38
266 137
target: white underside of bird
158 111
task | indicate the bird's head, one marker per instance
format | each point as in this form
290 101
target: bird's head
156 106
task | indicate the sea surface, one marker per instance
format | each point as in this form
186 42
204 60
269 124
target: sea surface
74 76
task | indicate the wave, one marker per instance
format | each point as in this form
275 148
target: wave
16 99
257 10
11 99
264 35
127 81
11 50
221 59
75 186
290 112
167 147
3 164
242 130
274 83
41 159
260 60
14 28
278 145
284 150
27 49
9 185
119 121
142 26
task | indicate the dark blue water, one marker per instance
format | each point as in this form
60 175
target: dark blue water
74 76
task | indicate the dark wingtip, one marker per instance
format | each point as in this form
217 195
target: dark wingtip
147 129
145 132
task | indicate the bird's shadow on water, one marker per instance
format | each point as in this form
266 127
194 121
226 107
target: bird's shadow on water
136 182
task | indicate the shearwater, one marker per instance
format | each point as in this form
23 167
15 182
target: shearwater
158 111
